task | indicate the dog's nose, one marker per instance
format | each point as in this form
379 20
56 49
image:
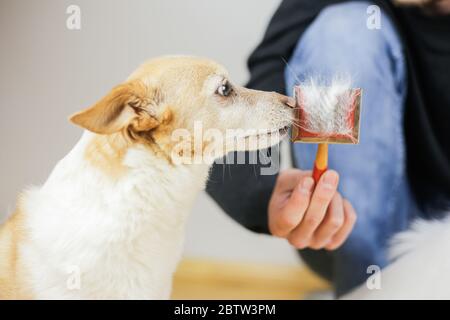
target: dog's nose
288 101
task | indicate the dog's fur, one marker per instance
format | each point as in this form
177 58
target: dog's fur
109 221
419 268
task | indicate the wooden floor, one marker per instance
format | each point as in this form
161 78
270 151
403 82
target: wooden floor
206 279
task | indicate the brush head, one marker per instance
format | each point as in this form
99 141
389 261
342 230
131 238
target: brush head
326 114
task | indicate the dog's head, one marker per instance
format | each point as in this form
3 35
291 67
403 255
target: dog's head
170 97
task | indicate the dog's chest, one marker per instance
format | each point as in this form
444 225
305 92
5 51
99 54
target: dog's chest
92 238
119 257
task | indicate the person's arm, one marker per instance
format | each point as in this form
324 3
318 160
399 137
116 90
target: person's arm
287 205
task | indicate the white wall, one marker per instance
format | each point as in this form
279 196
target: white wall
47 72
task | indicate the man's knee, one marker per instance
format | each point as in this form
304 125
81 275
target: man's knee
344 18
339 41
340 36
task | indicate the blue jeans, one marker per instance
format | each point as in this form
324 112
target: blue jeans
372 173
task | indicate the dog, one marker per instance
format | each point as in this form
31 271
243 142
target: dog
419 267
109 221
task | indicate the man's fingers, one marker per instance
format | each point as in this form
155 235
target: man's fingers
281 223
331 224
289 179
343 233
412 2
316 211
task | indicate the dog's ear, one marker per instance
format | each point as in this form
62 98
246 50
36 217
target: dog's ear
125 106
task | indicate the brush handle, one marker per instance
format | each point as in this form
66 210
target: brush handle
321 162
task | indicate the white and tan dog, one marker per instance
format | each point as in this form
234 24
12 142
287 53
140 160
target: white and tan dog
113 211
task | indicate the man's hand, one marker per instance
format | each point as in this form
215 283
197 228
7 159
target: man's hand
431 6
307 215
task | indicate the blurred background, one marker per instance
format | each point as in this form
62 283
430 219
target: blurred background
49 72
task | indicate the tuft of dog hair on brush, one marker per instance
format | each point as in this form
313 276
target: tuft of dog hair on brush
326 108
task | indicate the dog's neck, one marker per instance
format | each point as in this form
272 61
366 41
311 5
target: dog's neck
101 171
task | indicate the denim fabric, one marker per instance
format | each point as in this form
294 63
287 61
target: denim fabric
372 173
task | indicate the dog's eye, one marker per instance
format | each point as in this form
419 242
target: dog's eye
225 89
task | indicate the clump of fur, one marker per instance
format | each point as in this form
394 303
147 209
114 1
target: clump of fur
326 108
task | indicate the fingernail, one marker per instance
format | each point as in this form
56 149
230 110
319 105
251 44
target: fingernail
301 245
328 245
329 180
307 185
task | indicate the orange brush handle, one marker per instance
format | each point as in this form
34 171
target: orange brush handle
321 163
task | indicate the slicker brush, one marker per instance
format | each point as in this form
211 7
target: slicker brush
326 114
